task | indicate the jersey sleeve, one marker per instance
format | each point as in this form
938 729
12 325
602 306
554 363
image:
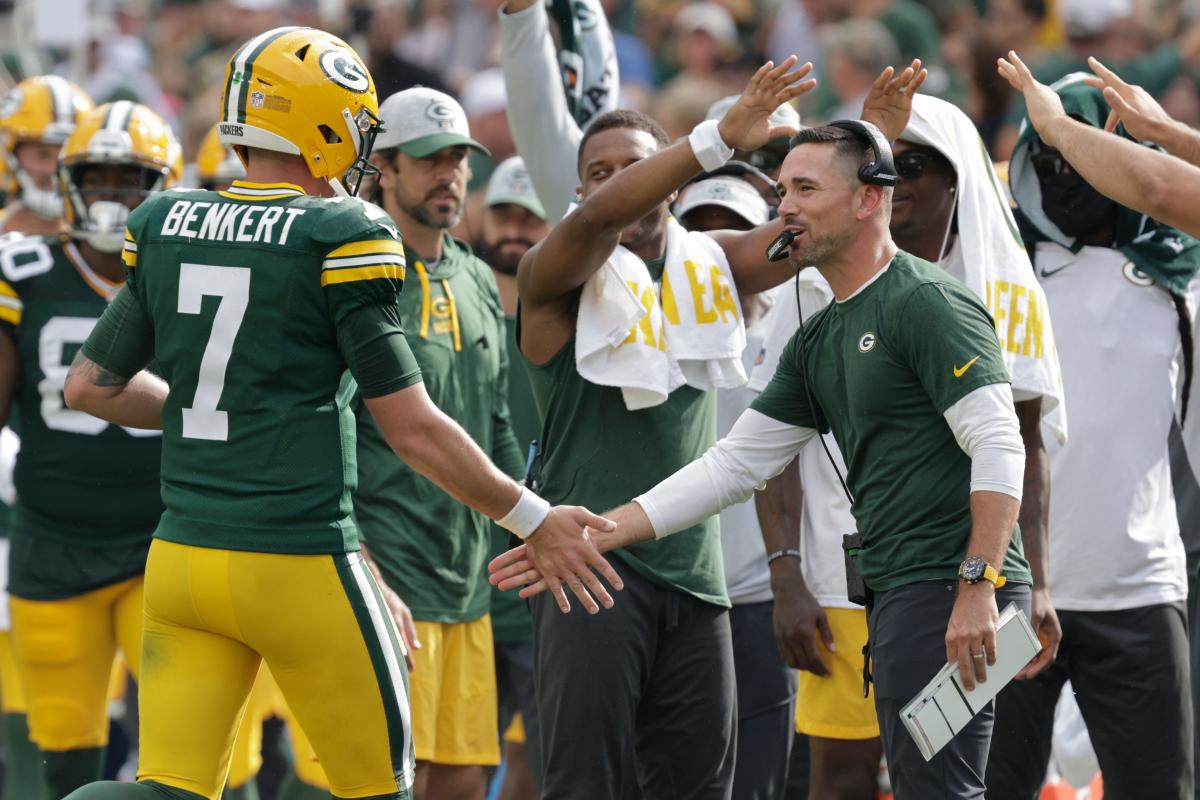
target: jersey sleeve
362 280
948 338
785 398
10 309
123 340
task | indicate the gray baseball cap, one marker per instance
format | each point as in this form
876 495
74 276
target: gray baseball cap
786 114
420 121
733 193
510 183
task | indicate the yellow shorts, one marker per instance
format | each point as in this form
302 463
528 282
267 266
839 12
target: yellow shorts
833 707
454 693
12 698
516 730
213 616
64 651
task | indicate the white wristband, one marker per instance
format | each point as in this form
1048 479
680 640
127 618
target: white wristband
525 517
710 149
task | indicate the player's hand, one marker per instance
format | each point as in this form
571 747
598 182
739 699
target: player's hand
1044 620
747 126
563 554
800 624
1041 102
971 633
889 104
1141 114
404 622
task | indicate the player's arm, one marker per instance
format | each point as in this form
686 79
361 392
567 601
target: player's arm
584 240
108 379
888 106
1154 183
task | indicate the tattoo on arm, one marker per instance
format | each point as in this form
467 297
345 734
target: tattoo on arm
83 367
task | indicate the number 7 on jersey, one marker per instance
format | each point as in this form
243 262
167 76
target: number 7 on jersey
232 284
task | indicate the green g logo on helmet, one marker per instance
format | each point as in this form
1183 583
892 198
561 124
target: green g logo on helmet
345 71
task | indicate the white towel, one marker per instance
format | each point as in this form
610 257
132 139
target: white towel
989 257
649 343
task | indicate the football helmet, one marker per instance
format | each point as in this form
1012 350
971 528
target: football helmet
119 134
216 164
42 109
306 92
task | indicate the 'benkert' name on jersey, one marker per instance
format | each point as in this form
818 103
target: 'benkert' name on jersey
218 221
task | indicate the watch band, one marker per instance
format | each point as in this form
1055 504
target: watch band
993 577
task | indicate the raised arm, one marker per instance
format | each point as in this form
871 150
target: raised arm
545 132
1142 116
584 240
1154 183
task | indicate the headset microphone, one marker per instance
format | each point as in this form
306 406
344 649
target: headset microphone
778 249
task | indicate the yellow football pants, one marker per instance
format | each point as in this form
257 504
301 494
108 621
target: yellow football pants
64 651
12 698
212 616
266 701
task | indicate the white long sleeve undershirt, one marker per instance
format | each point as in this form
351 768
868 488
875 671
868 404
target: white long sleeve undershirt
758 447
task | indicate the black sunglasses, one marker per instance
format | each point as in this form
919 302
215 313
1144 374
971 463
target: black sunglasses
1048 164
911 165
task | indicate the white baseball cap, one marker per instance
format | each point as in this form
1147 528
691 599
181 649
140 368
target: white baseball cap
709 17
1084 18
420 121
733 193
510 183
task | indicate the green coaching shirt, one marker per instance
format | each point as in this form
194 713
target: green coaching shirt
884 366
431 548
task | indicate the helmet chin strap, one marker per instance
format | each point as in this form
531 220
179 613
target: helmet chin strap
105 226
338 189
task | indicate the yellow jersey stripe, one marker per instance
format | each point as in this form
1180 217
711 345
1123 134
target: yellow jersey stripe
368 247
252 185
129 259
7 290
362 274
255 198
12 315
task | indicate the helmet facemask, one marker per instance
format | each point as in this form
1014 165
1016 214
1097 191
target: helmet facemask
364 127
99 213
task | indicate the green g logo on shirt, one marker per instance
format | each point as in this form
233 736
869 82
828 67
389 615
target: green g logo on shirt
867 343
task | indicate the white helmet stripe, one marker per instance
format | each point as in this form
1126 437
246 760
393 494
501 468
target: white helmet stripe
118 116
241 58
60 95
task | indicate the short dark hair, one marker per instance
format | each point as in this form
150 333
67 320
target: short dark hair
851 147
621 118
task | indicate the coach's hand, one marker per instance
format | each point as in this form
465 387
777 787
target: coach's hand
1042 103
563 554
1044 620
971 634
1131 105
404 622
747 126
800 622
889 104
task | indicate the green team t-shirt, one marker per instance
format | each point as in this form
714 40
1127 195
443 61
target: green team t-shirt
431 548
598 454
511 623
87 491
884 366
252 302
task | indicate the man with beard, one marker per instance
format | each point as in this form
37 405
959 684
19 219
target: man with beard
514 221
906 370
426 544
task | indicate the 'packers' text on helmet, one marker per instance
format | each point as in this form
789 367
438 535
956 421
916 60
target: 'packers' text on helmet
217 165
43 110
306 92
120 134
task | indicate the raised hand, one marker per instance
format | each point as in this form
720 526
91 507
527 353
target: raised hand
889 103
1041 102
747 126
1132 105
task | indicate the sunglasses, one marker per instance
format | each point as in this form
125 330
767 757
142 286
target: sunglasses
1049 164
911 165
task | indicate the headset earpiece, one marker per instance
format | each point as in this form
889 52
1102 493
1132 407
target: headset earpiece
881 171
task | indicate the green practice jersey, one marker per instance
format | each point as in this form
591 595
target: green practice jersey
253 302
884 365
430 547
82 484
511 622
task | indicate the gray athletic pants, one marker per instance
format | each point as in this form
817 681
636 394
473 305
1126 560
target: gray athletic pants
1129 670
637 701
907 629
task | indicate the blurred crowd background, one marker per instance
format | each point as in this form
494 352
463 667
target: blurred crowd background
675 58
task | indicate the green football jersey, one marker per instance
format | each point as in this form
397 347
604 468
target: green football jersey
252 300
430 547
884 365
82 484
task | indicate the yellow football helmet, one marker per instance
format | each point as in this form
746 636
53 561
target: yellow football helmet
42 109
122 134
217 165
306 92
